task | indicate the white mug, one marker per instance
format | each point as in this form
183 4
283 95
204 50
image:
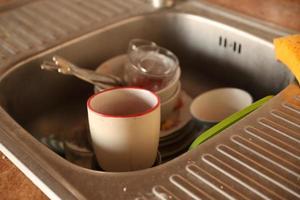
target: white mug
125 127
211 107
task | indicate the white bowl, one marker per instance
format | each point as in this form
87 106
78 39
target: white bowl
166 92
178 118
168 106
215 105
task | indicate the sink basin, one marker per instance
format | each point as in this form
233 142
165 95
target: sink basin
206 60
212 53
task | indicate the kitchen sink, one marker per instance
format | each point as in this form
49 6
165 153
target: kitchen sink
214 50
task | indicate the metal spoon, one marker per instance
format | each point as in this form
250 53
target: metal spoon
65 67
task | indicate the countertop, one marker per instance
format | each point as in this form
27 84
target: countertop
14 184
286 13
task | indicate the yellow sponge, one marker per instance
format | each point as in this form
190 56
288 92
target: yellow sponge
287 50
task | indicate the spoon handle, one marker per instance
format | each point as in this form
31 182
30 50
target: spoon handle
69 68
102 81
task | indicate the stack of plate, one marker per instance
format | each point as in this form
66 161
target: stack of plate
177 139
177 132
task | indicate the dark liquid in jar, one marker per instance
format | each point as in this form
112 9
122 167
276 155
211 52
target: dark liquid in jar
154 71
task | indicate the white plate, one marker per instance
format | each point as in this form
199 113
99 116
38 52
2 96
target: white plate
114 65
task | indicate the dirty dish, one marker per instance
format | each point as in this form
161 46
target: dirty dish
167 95
116 66
136 43
178 118
166 92
150 66
215 105
168 106
228 121
125 126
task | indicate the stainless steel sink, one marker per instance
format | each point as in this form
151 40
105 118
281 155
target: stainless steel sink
215 49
